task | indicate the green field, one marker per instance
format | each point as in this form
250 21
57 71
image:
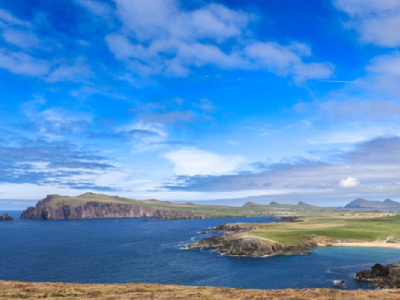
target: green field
359 226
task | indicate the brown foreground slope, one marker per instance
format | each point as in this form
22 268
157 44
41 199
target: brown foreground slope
24 290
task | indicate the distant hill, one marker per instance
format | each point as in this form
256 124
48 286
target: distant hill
98 206
276 205
301 203
363 203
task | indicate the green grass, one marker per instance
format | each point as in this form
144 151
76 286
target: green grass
332 225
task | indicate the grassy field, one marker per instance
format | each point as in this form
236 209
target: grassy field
360 226
24 290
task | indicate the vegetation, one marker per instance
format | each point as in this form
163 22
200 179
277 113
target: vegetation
206 210
25 290
360 226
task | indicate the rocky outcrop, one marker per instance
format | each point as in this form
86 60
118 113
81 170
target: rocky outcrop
6 217
243 245
289 218
387 277
52 208
301 203
251 204
228 228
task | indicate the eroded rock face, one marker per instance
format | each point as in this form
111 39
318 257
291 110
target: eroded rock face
49 209
289 218
231 228
381 276
6 217
248 246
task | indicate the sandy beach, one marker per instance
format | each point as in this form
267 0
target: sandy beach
369 244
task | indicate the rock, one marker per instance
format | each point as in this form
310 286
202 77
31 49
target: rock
242 245
227 228
381 276
251 204
6 217
338 282
289 218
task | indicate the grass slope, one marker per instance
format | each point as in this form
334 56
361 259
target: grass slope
358 226
206 210
25 290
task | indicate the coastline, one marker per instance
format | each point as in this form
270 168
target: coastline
57 290
368 244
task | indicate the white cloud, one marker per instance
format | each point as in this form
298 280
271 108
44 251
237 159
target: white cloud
8 18
163 19
349 182
95 7
376 21
21 38
76 72
159 37
192 161
286 60
21 63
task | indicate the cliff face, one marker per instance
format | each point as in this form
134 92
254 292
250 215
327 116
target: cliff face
51 209
248 246
387 277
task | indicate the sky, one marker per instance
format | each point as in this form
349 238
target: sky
200 99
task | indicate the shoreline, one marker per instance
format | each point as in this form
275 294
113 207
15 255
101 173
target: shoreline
367 244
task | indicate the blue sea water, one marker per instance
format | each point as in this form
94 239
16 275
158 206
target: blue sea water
139 250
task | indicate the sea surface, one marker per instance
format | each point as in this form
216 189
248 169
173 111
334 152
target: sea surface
140 250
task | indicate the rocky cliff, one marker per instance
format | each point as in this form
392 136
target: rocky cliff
243 245
387 277
6 217
54 207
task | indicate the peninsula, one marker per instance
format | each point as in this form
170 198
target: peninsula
97 206
318 228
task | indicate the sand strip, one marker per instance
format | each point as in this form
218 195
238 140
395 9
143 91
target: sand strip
368 244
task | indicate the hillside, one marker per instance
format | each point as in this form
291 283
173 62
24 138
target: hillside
28 290
363 203
95 206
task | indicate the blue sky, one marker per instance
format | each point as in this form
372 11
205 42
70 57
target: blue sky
200 100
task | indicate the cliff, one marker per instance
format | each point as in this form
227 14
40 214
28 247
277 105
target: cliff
243 245
238 243
386 277
6 217
93 206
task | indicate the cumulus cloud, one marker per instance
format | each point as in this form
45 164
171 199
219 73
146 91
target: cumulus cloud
375 163
192 161
160 37
376 21
349 182
23 64
95 7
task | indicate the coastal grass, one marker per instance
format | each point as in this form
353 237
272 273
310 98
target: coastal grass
28 290
365 228
208 211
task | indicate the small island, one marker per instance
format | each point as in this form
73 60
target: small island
6 217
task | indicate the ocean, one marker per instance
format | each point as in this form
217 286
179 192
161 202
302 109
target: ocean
148 251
